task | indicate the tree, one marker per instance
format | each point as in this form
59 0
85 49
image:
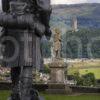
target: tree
70 48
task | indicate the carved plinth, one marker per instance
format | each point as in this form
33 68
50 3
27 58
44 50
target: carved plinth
57 84
57 71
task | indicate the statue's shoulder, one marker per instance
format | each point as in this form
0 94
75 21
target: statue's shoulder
44 4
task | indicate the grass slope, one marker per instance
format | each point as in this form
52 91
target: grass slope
4 95
64 97
96 72
85 67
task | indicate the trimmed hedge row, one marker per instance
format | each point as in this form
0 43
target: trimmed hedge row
83 89
43 87
8 86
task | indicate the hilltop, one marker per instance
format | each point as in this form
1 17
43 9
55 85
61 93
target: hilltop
88 13
88 10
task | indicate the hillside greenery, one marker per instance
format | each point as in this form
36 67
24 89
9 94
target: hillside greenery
85 67
84 43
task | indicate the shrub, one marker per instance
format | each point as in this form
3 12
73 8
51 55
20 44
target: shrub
78 79
89 79
85 80
46 69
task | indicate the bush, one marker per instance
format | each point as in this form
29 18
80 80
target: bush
89 79
78 79
46 69
85 80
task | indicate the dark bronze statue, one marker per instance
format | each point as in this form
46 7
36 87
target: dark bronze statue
24 22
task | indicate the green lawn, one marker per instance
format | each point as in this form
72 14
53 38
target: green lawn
83 71
64 97
96 72
5 94
85 67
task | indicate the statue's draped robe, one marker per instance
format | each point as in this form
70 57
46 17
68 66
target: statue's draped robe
26 47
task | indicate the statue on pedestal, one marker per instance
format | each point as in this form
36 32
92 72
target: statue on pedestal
24 22
57 43
57 83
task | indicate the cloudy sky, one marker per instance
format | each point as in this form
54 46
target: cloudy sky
70 1
73 1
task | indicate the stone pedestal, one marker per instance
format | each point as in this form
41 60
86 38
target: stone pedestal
57 71
57 84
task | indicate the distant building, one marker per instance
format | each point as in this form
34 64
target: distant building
74 24
80 22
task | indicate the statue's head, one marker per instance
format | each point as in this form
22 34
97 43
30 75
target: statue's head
17 7
57 31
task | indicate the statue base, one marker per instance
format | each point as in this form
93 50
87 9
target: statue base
57 71
57 84
58 89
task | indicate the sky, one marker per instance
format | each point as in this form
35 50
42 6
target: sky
70 1
73 1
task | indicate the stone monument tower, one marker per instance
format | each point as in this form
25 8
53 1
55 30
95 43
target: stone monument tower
74 24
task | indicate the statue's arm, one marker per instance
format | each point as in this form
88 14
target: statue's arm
5 5
45 10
